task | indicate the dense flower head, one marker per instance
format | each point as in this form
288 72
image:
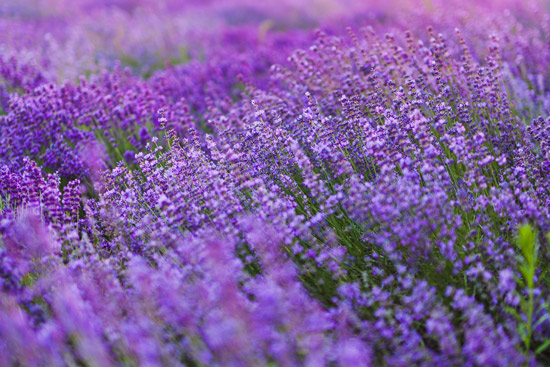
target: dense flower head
301 183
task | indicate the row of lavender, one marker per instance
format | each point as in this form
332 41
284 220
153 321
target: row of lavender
379 199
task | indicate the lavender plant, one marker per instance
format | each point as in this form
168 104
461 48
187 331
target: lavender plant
375 195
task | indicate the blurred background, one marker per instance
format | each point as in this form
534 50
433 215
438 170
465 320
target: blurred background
68 38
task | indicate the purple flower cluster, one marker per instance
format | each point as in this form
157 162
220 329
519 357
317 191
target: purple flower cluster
376 195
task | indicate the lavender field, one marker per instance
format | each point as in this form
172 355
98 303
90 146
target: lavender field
337 183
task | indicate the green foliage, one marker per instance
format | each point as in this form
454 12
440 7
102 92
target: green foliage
528 246
529 266
4 203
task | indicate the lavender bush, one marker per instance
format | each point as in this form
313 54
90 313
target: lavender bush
310 183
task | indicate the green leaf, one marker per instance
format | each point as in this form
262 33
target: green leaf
526 242
541 320
543 347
